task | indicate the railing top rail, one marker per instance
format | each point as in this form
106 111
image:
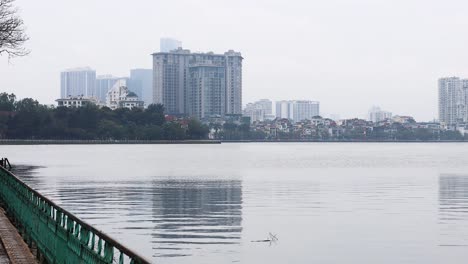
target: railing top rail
102 235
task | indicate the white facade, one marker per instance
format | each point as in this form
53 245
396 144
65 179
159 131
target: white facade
376 114
453 100
297 110
284 109
75 101
78 82
259 110
168 44
305 110
120 97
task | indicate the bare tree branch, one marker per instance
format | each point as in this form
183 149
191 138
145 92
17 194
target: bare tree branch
12 35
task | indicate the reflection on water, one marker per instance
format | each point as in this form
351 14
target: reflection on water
27 173
453 209
328 203
172 216
195 212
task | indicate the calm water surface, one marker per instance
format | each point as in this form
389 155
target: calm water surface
326 202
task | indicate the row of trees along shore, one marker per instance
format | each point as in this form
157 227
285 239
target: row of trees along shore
27 119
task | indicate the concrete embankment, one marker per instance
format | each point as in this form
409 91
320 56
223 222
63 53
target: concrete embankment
96 142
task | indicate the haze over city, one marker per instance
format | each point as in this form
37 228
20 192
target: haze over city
150 131
347 55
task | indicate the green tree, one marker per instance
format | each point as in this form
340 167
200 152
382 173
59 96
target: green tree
27 105
173 131
108 129
197 130
7 102
155 114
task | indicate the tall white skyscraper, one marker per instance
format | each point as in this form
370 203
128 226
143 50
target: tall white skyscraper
78 82
297 110
453 93
168 44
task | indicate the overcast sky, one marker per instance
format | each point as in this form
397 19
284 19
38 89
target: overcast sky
347 54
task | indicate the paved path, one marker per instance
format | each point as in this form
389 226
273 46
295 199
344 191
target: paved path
12 248
3 255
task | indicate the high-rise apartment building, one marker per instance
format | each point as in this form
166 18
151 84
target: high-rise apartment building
206 93
103 84
141 82
377 115
198 84
284 109
259 110
453 93
168 44
304 109
78 82
297 110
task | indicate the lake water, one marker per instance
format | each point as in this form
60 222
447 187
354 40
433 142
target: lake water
325 202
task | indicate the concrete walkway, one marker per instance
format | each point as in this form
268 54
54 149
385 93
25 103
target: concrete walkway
12 247
3 255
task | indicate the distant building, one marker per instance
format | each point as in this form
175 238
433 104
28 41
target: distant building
284 109
103 84
297 110
168 44
403 119
305 110
141 82
120 97
376 114
453 93
254 113
206 91
75 101
131 101
198 84
259 110
78 82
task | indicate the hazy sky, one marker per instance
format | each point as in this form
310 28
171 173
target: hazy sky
347 54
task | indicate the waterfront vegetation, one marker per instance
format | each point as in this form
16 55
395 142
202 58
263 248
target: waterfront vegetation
27 119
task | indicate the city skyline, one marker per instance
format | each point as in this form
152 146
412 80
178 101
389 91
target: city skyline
83 82
305 50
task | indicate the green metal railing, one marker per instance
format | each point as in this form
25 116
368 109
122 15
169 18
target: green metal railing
60 237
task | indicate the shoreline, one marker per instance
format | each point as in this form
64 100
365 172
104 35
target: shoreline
344 141
101 142
201 142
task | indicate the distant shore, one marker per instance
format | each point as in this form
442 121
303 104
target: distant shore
155 142
343 141
100 142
